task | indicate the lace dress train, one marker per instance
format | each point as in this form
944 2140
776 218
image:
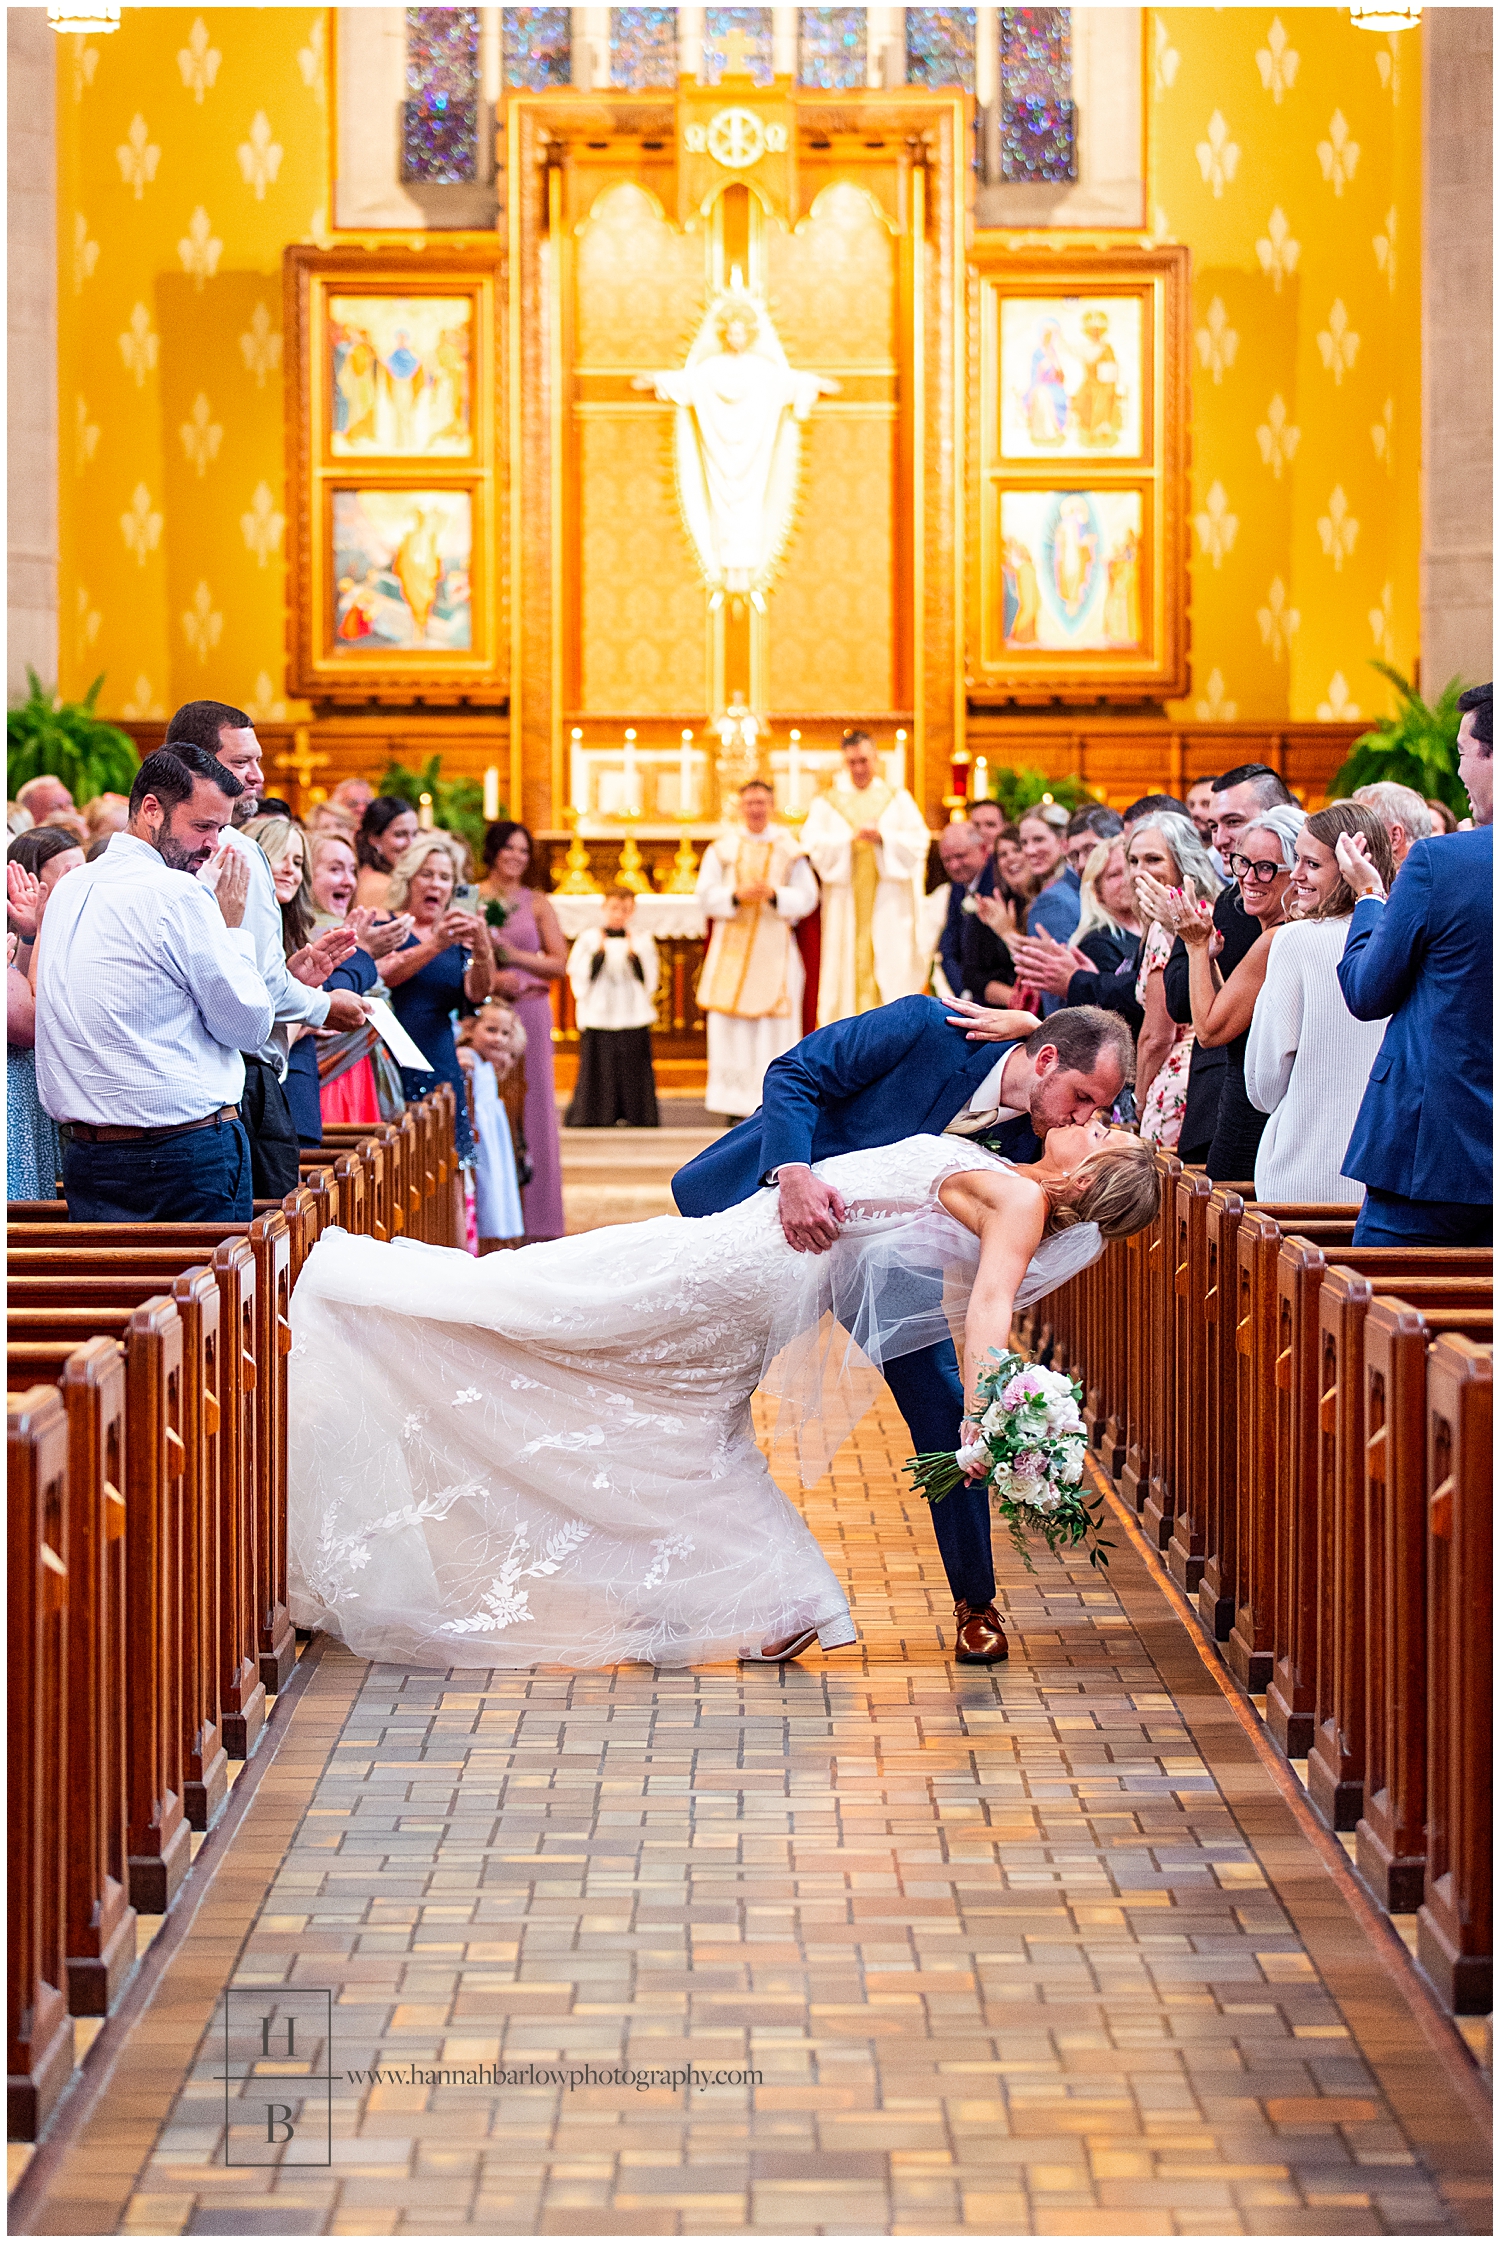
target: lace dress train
547 1457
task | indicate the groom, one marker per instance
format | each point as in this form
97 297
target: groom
908 1070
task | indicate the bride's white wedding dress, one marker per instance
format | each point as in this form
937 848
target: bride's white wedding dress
546 1457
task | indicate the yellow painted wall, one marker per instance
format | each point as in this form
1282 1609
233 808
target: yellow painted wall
1285 150
191 148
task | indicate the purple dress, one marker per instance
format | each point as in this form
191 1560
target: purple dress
541 1201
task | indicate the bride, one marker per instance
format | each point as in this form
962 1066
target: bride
547 1458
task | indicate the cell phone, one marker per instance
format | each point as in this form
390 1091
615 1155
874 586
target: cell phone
466 896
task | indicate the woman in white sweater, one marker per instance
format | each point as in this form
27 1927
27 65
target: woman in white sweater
1308 1058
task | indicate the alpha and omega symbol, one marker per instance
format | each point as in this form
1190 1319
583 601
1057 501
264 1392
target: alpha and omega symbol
736 138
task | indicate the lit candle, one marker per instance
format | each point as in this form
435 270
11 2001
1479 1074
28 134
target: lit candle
424 811
492 790
685 778
577 777
980 779
794 771
898 778
631 807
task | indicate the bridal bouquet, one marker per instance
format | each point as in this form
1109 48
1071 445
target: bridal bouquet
1028 1446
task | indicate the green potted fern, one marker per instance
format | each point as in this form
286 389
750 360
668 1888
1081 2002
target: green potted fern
66 740
1417 747
457 804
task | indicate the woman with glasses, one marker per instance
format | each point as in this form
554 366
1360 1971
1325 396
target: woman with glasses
1261 862
1308 1059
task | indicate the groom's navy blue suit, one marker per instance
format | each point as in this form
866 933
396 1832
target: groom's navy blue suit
898 1072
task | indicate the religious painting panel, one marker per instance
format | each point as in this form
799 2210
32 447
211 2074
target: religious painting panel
400 376
1077 473
394 473
1072 377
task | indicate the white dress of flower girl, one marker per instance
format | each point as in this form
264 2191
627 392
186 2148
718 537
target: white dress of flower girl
546 1457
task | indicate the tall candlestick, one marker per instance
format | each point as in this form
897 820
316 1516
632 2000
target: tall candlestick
424 812
492 790
794 771
631 807
685 778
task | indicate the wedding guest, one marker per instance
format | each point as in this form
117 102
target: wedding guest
1148 806
352 797
1307 1058
106 814
357 1079
1238 795
444 959
1094 823
1260 861
489 1044
42 795
35 862
1164 854
1099 966
71 822
1424 962
614 972
1443 820
294 984
1403 813
1200 807
386 831
988 821
1044 833
148 991
531 954
971 956
1013 876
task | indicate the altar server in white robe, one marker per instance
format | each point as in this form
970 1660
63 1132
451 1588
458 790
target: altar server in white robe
754 884
868 844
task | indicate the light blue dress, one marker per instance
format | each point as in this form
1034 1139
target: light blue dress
33 1147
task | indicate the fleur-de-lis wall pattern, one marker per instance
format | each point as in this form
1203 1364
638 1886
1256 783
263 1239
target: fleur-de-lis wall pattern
1284 150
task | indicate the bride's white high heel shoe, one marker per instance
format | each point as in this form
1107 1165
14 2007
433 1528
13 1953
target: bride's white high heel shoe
834 1635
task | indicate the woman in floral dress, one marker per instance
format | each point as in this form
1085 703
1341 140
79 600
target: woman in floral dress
1170 851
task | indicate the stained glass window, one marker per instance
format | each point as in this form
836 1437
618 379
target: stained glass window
753 46
642 47
831 47
537 45
940 47
1037 117
440 116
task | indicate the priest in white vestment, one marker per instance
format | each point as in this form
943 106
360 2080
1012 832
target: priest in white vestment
754 884
868 843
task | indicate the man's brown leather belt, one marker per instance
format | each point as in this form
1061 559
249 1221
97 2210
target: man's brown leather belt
87 1133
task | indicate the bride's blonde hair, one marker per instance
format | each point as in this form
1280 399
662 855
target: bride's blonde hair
1119 1188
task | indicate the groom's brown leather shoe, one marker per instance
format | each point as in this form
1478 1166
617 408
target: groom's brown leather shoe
981 1639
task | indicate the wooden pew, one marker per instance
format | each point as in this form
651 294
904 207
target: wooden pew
1391 1834
1187 1543
1454 1927
122 1275
363 1147
1313 1537
1336 1758
155 1463
39 2031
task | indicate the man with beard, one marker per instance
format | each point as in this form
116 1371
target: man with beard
910 1068
293 984
147 989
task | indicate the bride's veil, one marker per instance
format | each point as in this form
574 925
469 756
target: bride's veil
895 1281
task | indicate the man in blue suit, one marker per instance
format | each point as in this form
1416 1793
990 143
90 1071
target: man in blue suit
1421 1144
909 1070
975 961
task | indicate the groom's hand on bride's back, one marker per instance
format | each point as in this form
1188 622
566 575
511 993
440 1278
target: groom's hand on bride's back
810 1210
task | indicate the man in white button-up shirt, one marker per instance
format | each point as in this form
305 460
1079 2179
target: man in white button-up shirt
292 984
147 988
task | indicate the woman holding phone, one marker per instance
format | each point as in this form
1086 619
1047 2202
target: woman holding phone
446 957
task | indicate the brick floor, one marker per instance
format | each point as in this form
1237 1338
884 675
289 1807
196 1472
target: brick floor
1043 1949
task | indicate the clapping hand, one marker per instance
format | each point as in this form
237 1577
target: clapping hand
376 935
999 915
316 961
1049 965
23 898
1353 853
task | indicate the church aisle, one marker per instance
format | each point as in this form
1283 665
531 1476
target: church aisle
1039 1949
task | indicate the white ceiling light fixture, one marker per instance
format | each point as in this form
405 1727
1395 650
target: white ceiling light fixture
1385 19
83 19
